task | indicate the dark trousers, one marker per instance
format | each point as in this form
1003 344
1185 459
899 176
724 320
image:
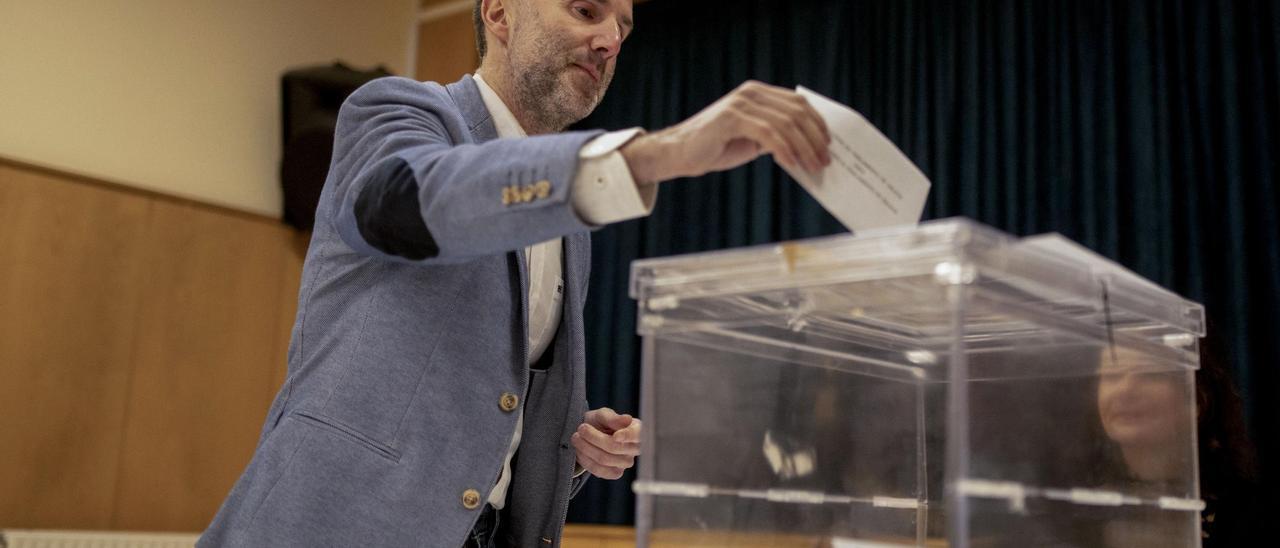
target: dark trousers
485 532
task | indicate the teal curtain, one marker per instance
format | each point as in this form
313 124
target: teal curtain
1146 130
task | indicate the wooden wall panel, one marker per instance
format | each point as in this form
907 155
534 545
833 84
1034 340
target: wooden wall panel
290 281
446 48
69 283
141 340
206 363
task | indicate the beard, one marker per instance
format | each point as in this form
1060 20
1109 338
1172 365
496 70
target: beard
553 92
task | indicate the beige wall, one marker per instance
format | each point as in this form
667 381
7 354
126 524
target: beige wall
179 97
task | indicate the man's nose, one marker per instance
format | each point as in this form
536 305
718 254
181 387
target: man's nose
607 40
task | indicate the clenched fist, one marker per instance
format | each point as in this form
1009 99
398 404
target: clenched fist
607 443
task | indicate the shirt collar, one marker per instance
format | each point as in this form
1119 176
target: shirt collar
506 123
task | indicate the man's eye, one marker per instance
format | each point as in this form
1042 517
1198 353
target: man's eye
584 12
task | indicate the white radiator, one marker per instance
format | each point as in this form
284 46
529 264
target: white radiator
22 538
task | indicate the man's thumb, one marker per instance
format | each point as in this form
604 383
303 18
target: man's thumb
618 422
611 421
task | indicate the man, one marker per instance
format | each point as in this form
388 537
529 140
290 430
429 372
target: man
435 394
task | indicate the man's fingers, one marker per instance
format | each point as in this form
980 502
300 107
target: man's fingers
597 469
607 419
601 414
755 118
630 434
768 129
789 115
599 455
618 422
800 151
771 140
798 109
606 442
787 111
607 456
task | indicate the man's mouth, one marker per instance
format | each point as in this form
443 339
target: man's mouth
591 71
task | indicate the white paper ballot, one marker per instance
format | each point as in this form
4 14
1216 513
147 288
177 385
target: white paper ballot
870 183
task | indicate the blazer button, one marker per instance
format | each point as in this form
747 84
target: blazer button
508 402
470 499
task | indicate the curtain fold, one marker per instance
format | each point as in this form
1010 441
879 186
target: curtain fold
1148 131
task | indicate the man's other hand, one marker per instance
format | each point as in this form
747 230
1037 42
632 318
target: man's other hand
751 120
607 443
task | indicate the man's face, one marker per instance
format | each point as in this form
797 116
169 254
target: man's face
562 57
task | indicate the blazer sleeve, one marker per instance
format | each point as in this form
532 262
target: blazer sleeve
406 190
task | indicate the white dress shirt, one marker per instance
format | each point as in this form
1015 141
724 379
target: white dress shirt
603 192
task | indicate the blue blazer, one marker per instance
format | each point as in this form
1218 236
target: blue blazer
410 338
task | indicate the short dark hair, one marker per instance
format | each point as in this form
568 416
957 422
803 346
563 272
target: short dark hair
481 46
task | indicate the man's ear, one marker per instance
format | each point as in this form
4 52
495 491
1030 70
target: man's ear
497 18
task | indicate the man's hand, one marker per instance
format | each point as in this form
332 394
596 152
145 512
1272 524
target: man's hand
607 443
752 120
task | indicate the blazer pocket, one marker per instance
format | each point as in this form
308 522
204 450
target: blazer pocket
348 433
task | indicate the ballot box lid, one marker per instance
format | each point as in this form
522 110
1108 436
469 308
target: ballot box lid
1048 275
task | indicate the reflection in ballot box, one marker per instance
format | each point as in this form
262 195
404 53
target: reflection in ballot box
940 385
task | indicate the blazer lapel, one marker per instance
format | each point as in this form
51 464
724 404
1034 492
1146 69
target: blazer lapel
466 95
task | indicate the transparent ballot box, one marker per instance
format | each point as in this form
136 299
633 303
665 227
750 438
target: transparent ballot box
939 385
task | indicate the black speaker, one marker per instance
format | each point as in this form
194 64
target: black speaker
311 97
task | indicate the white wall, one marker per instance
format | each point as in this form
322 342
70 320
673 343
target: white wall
176 96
